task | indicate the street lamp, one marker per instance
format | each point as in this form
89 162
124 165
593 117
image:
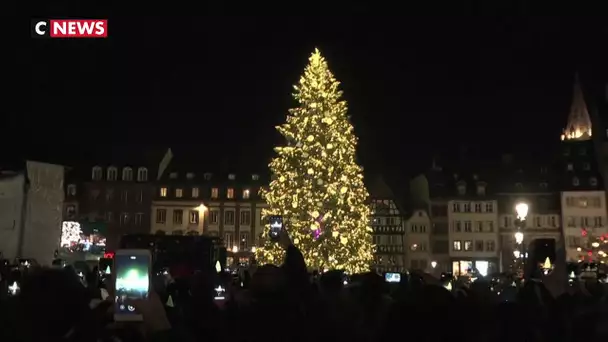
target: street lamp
521 209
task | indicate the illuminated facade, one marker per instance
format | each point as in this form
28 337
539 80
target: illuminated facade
228 206
388 231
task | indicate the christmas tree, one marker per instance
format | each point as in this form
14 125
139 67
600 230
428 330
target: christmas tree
317 186
593 248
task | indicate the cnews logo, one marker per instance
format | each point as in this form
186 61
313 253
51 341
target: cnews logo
69 28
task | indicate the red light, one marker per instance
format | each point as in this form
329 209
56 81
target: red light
589 253
109 255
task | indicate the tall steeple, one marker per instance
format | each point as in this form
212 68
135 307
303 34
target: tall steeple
579 121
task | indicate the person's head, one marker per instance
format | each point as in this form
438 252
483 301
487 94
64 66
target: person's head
52 301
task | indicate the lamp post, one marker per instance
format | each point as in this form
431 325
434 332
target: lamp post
521 209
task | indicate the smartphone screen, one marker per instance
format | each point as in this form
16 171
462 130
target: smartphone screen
105 266
392 277
132 269
276 225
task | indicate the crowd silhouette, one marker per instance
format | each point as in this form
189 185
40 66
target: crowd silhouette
288 303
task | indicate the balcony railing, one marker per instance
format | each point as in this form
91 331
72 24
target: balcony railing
390 249
388 229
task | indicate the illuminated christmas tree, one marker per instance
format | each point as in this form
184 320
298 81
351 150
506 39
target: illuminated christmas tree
317 186
594 248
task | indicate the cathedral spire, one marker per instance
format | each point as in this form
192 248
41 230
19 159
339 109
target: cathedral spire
579 121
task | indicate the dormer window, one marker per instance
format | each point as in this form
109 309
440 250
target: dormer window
475 177
519 186
544 185
255 177
593 181
576 181
112 173
142 174
173 175
461 187
481 189
207 176
189 175
97 173
231 176
582 151
127 174
586 166
543 170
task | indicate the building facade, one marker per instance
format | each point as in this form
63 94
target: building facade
418 242
474 236
113 198
223 205
529 181
388 228
463 217
583 196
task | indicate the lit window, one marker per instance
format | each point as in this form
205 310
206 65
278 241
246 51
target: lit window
246 194
189 175
457 245
194 192
179 193
231 176
215 192
255 177
468 245
163 192
230 193
194 216
575 181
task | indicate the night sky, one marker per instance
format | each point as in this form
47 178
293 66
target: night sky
415 85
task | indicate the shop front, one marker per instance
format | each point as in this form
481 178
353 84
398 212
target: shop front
471 267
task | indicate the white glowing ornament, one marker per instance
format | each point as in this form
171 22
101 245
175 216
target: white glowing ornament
14 288
310 138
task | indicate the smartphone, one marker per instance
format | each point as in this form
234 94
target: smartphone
105 266
132 282
392 277
276 225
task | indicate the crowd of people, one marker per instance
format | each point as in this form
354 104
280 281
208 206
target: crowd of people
287 303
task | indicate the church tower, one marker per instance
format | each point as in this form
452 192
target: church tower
578 127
